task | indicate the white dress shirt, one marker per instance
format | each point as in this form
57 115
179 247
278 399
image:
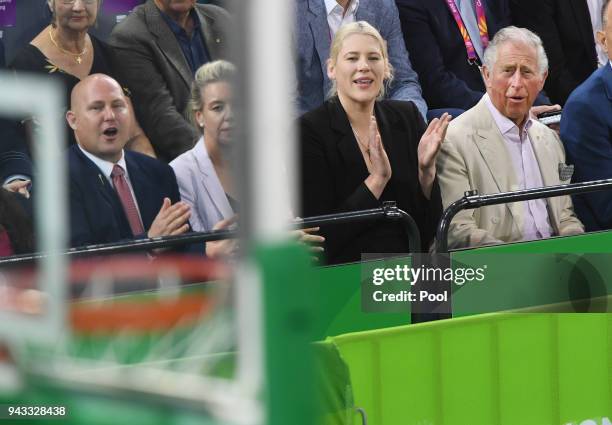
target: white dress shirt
336 17
106 167
536 224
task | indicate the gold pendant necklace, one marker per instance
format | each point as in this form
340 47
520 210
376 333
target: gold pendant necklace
77 56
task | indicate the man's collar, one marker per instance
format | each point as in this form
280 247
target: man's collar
175 27
331 4
504 123
105 166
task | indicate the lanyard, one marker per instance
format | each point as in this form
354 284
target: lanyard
482 29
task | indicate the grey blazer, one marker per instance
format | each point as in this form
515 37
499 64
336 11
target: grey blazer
313 42
200 188
150 62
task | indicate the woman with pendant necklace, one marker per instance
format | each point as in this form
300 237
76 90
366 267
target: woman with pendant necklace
358 152
65 50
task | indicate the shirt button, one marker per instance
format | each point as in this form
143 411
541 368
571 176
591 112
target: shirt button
495 220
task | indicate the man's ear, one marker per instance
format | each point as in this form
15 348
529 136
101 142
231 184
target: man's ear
71 118
486 75
601 39
544 76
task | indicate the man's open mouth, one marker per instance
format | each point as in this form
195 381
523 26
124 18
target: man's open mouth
111 132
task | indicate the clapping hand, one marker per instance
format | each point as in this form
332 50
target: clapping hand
428 149
171 220
379 160
431 142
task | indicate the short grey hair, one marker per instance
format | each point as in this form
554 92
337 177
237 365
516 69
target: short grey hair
517 35
211 72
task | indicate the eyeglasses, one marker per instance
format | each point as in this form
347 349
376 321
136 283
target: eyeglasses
70 2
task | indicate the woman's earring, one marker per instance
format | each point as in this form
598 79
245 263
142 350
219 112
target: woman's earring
201 124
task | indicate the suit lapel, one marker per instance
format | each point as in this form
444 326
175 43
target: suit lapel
212 41
215 194
347 143
387 123
364 13
99 184
491 145
143 190
317 20
99 181
606 76
543 151
167 41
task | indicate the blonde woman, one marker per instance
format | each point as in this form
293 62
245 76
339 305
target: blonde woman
358 151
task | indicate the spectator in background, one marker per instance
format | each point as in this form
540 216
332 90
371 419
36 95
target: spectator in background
449 73
205 173
316 23
66 51
567 28
586 131
358 152
115 194
497 147
159 47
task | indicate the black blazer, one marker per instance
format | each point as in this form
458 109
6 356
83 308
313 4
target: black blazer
96 214
567 33
333 173
438 54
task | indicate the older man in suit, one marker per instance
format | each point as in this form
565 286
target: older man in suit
115 194
316 23
159 46
586 127
497 147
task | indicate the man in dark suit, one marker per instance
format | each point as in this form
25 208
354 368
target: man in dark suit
567 30
159 46
586 127
115 194
438 52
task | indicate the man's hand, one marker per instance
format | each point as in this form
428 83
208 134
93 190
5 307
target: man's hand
19 186
537 110
171 220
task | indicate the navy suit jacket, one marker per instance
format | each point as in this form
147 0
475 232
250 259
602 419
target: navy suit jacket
586 131
438 52
313 43
96 214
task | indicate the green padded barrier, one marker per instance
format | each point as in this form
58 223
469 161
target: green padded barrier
494 369
338 293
